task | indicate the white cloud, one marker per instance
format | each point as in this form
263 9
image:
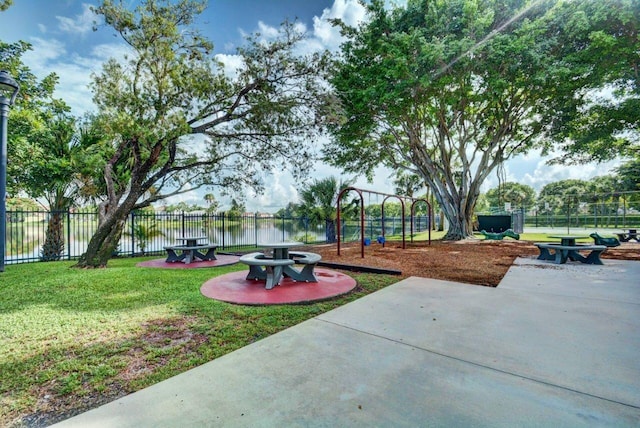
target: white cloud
267 32
74 71
350 12
279 191
232 64
532 169
81 24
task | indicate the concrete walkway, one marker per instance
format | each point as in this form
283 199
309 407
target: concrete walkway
553 345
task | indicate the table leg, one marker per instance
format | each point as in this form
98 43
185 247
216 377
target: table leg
575 256
256 272
274 275
545 254
560 257
306 274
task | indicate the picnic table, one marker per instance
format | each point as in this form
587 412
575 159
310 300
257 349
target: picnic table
191 250
276 261
567 249
628 235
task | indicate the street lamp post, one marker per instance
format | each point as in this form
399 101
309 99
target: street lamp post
8 91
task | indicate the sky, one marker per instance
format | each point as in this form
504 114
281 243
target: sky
64 42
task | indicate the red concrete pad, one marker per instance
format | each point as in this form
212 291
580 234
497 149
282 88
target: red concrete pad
235 288
222 260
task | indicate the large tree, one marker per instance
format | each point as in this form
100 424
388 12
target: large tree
561 197
518 195
42 149
450 90
173 119
28 116
601 100
53 174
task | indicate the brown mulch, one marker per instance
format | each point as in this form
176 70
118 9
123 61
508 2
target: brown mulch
472 261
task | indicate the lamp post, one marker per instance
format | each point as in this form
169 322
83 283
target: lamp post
8 91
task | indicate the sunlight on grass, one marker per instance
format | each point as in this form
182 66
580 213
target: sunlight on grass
69 334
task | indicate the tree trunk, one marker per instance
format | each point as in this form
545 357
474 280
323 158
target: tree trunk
53 247
330 227
105 240
459 213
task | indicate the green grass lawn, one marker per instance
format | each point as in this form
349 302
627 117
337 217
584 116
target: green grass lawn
68 336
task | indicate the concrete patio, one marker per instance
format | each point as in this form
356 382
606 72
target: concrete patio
553 345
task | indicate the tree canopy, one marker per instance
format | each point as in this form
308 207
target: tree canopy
518 195
449 90
600 100
174 120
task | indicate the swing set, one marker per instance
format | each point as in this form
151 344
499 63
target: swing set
402 200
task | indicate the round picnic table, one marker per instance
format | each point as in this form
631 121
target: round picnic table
191 241
280 249
569 240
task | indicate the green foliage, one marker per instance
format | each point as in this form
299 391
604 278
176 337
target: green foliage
518 195
5 4
212 204
601 99
183 207
22 204
443 90
629 175
319 200
28 118
46 158
143 232
171 88
237 209
291 210
449 90
560 196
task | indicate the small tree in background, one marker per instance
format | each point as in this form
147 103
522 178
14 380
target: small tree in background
318 203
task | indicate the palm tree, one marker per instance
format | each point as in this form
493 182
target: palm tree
319 203
143 233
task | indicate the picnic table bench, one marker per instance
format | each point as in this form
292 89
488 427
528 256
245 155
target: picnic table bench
562 253
631 234
263 267
190 253
272 268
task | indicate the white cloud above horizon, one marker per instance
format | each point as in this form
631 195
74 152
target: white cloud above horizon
56 48
81 25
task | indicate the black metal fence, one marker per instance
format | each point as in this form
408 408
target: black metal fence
615 210
149 232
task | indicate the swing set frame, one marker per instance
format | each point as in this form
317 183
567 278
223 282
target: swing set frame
402 200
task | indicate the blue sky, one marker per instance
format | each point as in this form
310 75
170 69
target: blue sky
64 42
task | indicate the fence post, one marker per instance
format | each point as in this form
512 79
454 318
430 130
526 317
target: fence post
255 227
133 228
183 224
223 229
68 234
282 228
306 230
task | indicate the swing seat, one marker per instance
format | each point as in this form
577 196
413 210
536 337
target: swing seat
367 242
381 240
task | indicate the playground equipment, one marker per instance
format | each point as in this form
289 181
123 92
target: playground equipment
381 239
608 242
500 236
